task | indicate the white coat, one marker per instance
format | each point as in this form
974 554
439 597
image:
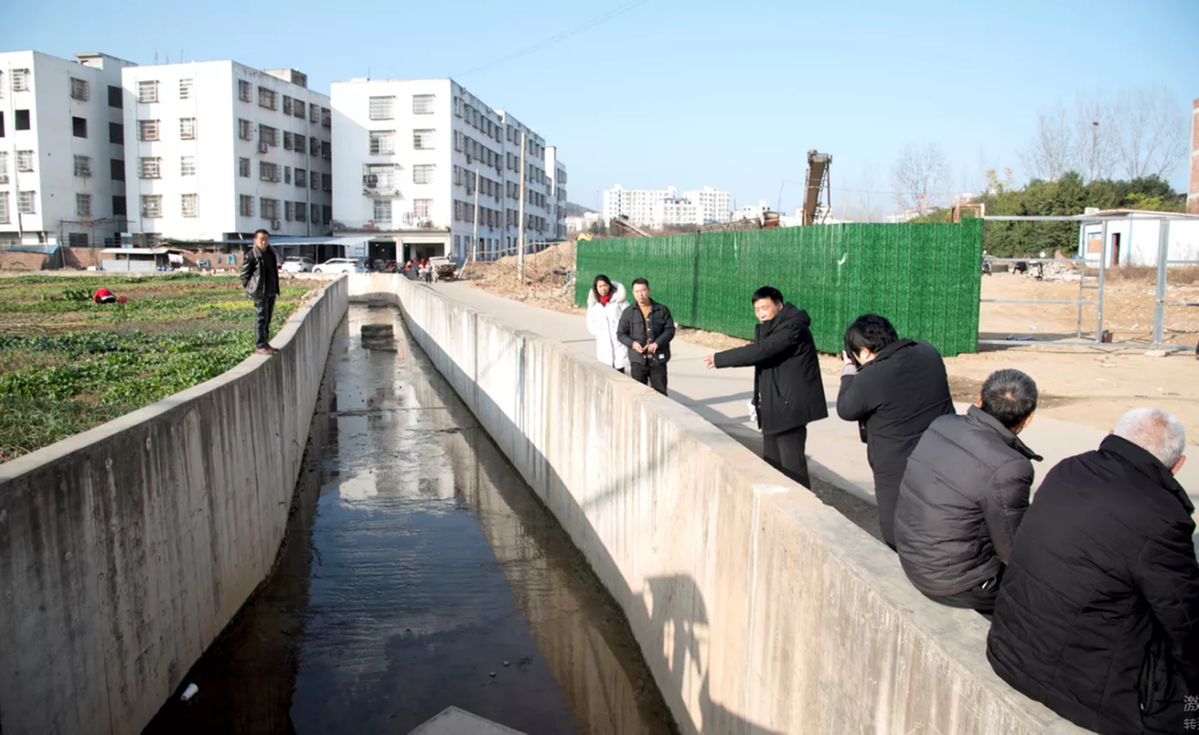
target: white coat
602 321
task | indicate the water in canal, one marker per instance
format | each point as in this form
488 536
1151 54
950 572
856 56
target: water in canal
419 572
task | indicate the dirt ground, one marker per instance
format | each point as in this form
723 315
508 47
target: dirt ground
1088 385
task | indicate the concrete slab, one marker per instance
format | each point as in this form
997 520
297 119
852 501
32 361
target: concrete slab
721 396
454 721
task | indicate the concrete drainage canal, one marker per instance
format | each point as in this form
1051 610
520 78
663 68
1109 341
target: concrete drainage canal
419 572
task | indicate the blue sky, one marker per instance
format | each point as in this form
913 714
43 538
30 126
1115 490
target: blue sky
725 94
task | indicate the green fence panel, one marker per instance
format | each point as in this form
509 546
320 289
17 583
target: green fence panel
925 278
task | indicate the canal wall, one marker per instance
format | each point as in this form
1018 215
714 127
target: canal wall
125 550
758 608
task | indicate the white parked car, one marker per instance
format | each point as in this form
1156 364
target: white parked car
298 265
340 265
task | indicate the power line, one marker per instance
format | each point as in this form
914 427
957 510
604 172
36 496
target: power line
561 36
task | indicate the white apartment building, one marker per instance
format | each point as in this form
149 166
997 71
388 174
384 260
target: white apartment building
62 155
714 205
216 150
657 208
423 164
557 202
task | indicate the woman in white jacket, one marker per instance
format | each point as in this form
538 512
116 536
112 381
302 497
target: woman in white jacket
605 303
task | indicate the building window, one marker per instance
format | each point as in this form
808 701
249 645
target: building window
383 142
245 129
116 133
185 88
314 181
3 167
20 80
286 105
289 211
422 140
79 127
326 117
147 92
80 90
289 141
301 212
243 168
83 205
421 207
268 135
151 206
247 205
4 215
83 166
147 130
190 205
380 176
187 128
25 161
314 114
326 150
301 143
287 174
151 168
245 91
268 208
327 213
117 169
423 174
268 98
382 108
187 166
297 109
383 211
21 121
1 123
27 202
314 148
268 171
315 215
301 178
326 182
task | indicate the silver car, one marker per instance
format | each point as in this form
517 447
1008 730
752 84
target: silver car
298 265
340 265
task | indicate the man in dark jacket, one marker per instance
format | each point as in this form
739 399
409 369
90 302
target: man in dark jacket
964 494
1098 612
788 391
646 328
894 388
260 278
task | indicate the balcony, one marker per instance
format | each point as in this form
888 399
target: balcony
379 181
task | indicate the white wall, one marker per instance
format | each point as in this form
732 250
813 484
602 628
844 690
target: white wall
1139 240
51 138
215 103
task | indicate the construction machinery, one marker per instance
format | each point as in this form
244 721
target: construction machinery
817 182
628 229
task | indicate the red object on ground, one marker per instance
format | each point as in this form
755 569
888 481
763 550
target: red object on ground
122 300
104 296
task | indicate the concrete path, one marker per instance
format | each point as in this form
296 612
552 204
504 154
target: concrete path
837 456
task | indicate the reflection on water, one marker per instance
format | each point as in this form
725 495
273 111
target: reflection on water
417 565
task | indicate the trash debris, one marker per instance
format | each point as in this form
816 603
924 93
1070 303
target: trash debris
189 692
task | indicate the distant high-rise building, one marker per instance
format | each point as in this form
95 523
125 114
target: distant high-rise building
657 208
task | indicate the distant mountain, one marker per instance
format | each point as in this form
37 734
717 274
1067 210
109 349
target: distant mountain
576 210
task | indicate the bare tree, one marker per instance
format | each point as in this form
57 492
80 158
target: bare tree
918 172
1152 131
1096 137
1051 152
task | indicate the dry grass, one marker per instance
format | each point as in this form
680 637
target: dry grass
546 277
1175 276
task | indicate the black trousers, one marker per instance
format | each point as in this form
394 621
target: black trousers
785 452
264 309
653 375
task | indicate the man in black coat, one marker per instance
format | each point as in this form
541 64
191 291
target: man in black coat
1098 612
646 328
894 388
964 494
788 391
260 278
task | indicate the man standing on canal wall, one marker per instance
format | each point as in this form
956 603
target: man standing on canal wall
260 278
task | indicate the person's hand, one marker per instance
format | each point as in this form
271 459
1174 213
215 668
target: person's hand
710 361
845 358
651 348
637 347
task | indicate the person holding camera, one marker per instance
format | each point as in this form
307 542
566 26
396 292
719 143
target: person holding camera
646 328
788 391
894 388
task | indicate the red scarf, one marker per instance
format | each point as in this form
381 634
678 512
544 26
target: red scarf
605 298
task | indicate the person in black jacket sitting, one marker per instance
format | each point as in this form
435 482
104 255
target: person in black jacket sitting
964 493
1098 612
788 391
894 388
646 328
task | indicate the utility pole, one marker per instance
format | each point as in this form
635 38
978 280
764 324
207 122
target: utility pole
520 236
474 253
1094 134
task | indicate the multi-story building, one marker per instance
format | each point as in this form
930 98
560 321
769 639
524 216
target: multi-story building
216 150
428 169
714 205
62 159
557 200
657 208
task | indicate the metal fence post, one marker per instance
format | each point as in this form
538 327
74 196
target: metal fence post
1163 257
1103 251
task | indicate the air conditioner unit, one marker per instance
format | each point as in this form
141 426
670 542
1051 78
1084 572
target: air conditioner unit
275 224
372 181
263 147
